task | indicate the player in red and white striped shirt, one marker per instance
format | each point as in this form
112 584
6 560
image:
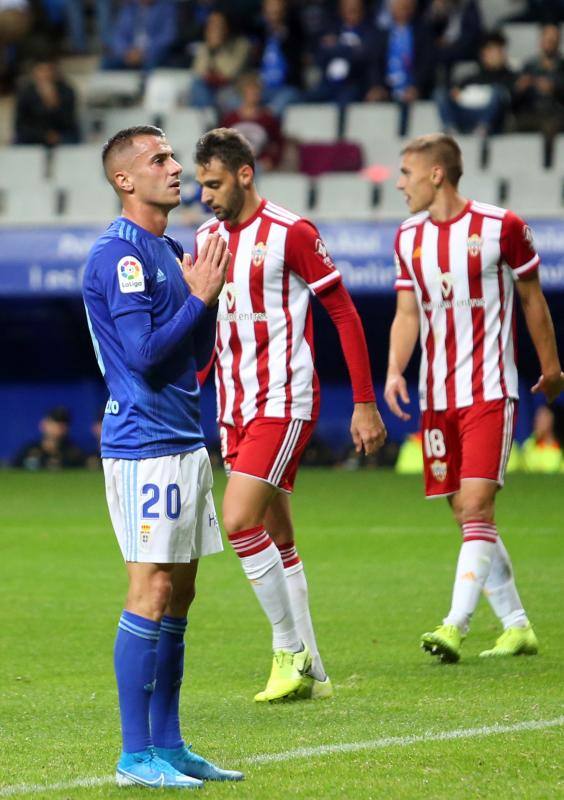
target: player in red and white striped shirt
268 391
457 264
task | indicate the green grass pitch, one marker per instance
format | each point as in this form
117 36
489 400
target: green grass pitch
379 560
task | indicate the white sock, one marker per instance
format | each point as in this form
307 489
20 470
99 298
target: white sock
297 589
501 591
262 564
472 570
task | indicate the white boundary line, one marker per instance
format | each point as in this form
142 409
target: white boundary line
321 750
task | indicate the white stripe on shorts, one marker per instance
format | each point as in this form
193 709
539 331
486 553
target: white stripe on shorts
286 451
507 439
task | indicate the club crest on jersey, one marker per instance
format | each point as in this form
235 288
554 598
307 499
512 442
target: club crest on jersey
439 470
259 254
446 284
130 275
475 244
528 236
321 251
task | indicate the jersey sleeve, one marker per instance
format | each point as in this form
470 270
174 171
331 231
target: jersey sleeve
123 278
404 281
306 255
517 247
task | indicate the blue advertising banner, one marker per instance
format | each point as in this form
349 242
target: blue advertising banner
49 262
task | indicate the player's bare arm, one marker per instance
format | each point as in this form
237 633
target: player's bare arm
541 330
403 338
367 429
207 276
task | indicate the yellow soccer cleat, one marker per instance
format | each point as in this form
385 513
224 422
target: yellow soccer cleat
514 642
313 689
288 670
444 642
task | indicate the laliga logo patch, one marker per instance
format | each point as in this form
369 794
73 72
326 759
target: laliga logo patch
130 275
439 470
474 244
446 284
259 254
528 236
321 251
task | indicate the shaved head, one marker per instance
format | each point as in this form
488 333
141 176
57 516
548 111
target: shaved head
116 153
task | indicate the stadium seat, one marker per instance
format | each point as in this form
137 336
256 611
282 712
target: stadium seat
23 165
392 204
472 151
522 41
344 196
309 122
166 89
374 126
24 207
77 163
508 152
114 119
93 204
291 191
423 118
532 194
112 87
485 188
558 154
184 126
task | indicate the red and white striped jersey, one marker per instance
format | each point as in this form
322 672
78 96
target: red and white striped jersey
264 346
462 272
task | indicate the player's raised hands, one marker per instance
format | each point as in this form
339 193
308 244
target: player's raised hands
367 429
207 276
550 386
394 391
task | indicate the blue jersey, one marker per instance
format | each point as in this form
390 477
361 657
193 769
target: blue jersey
150 336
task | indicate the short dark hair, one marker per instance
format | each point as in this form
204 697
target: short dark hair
444 149
124 138
494 37
227 145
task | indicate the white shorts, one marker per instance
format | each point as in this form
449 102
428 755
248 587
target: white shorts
162 509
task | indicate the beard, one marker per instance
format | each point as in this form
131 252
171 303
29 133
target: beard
233 205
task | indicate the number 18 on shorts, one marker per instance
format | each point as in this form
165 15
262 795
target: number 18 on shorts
162 509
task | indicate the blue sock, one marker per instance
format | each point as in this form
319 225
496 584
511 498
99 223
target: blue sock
135 663
165 722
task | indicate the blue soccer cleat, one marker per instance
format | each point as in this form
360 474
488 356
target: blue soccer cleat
189 763
145 768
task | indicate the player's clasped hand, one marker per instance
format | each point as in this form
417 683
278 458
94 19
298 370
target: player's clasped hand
367 429
207 276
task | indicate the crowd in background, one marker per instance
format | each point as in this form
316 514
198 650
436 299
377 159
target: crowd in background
250 59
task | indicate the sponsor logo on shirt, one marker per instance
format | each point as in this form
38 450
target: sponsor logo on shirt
229 293
321 251
145 535
439 470
446 284
474 244
130 275
466 302
259 254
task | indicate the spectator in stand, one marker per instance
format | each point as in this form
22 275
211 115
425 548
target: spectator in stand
144 34
257 124
458 30
76 13
343 55
540 87
54 450
46 108
280 55
219 62
15 22
541 451
479 103
402 60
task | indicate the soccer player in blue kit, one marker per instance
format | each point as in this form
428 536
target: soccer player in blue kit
152 315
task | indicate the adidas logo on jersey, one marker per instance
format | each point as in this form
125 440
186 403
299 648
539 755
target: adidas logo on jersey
160 276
